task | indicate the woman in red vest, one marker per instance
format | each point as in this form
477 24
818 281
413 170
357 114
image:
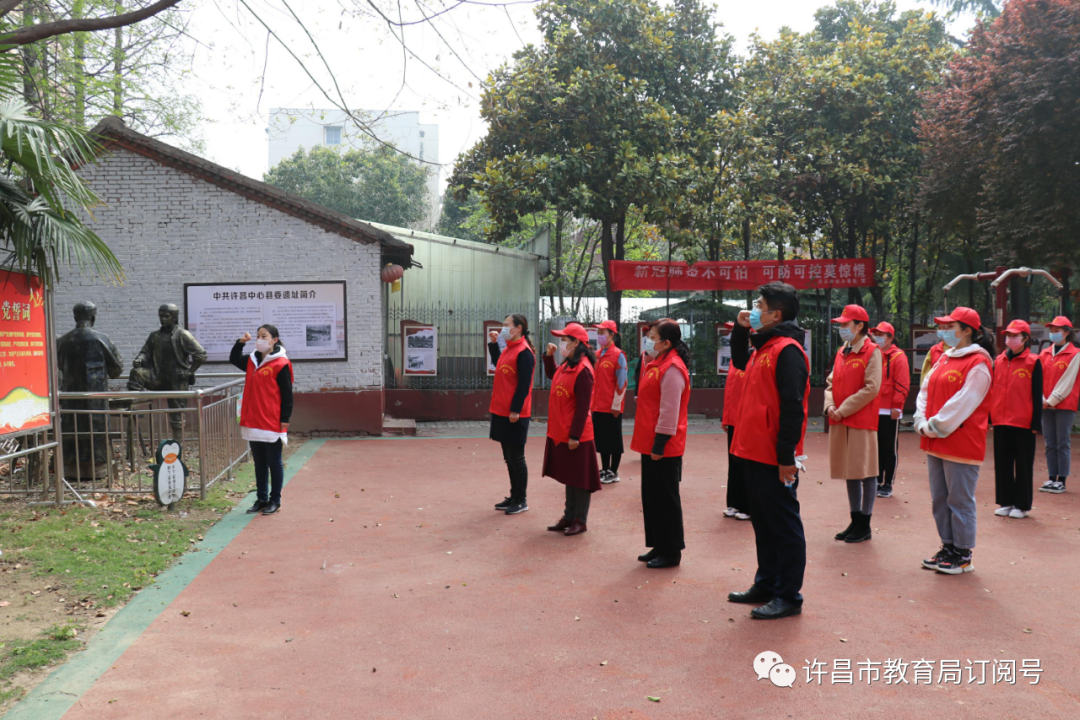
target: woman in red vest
851 404
608 399
570 453
738 506
511 404
933 355
1016 412
952 415
660 437
1061 394
895 384
265 411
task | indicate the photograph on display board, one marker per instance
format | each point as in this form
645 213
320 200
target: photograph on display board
723 349
25 399
489 327
922 339
421 349
311 317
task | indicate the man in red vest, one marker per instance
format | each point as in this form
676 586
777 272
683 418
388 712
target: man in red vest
771 426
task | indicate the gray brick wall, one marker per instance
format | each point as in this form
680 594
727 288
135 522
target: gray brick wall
168 227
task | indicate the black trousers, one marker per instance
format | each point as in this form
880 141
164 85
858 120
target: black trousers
269 470
778 531
1014 466
661 505
888 439
514 455
736 482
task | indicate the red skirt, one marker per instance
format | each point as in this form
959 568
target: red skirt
575 468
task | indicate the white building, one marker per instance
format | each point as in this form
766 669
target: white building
294 128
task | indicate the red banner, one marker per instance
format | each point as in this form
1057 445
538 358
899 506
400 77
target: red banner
24 362
803 274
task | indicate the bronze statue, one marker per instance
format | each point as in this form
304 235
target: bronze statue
87 360
168 361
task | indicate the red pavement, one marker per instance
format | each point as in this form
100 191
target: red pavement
419 601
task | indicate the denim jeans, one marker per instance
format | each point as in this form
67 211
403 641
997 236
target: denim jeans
267 457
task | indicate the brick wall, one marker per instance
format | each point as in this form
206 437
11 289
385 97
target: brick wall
168 227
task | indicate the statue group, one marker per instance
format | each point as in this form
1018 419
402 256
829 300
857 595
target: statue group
88 359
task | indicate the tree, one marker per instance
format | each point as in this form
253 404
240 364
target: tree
599 119
112 18
373 184
1001 136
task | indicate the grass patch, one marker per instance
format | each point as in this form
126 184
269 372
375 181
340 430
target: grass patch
52 647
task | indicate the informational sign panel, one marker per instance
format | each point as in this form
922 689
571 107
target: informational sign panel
310 317
922 339
25 399
490 325
593 335
420 351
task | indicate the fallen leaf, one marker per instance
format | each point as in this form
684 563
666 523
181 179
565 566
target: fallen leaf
4 603
185 613
653 699
1027 630
603 663
843 639
288 639
577 618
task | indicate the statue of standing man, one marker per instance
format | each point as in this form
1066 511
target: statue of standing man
168 361
87 360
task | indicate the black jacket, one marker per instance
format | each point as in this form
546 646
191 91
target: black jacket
791 376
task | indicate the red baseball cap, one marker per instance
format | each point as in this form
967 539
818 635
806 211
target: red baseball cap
962 315
885 327
1018 326
573 330
729 325
1061 321
852 312
607 325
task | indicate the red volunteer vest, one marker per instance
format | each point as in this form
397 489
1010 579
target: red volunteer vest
733 390
1011 402
261 407
562 403
936 352
848 377
603 392
969 440
506 379
1054 367
894 366
648 407
759 409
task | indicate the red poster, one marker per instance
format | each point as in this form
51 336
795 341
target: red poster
24 361
803 274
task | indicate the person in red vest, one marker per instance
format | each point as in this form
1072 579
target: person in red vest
1016 413
511 404
570 452
952 415
851 404
1061 394
934 355
771 427
895 385
608 400
660 436
737 506
265 411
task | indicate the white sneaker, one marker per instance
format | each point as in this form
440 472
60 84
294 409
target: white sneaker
1057 488
604 476
1018 513
1047 485
730 512
741 516
1004 511
613 477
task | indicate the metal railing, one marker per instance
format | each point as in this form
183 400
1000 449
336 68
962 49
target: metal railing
110 439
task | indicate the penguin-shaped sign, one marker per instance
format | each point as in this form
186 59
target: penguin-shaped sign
170 473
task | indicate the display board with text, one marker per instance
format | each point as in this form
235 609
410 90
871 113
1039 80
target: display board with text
25 399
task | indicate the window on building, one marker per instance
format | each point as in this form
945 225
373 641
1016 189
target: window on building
421 133
333 136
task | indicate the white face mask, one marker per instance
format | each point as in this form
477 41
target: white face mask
504 334
563 349
650 347
262 345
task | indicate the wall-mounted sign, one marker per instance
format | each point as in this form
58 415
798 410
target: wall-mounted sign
420 349
310 317
25 400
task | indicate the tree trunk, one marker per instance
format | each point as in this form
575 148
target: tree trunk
118 66
79 69
559 263
607 254
911 272
30 63
746 256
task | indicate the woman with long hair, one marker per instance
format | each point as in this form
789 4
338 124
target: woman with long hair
1061 396
511 404
1016 413
660 436
570 452
609 398
951 416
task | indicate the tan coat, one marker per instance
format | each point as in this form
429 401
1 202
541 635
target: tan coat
853 451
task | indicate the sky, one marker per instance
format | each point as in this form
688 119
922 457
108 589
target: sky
240 70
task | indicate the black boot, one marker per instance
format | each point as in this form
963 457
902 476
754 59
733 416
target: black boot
843 534
862 532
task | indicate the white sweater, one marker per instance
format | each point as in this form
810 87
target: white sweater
960 406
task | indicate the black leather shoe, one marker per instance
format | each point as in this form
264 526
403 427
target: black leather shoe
648 556
776 608
257 507
755 595
664 561
842 535
271 508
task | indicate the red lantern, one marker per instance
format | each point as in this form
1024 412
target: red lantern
392 273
